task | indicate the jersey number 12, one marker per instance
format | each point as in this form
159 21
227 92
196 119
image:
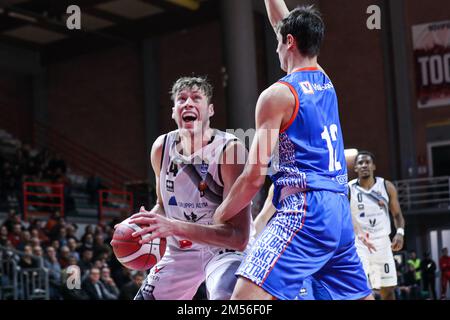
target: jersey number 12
329 136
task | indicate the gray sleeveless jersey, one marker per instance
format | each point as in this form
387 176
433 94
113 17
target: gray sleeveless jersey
180 180
371 208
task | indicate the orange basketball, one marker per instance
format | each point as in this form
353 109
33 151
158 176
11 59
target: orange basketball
131 253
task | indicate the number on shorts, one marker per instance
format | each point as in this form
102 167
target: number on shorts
386 268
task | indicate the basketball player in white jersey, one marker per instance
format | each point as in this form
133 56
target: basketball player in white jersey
195 167
372 198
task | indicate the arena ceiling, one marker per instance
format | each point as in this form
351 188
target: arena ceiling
41 24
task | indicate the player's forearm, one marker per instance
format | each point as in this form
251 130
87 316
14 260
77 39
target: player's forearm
220 235
399 221
240 196
276 10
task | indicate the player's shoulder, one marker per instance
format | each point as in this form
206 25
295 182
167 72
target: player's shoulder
278 98
352 182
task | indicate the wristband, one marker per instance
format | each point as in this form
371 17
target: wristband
401 231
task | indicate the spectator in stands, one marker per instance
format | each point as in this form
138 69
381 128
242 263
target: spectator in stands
25 239
94 288
109 283
428 267
85 262
61 236
130 289
87 242
27 261
54 272
71 230
408 287
73 247
444 265
39 255
15 235
37 232
11 220
55 244
64 256
414 261
100 246
52 221
3 235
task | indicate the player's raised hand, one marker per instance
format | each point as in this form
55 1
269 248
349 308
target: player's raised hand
364 238
397 243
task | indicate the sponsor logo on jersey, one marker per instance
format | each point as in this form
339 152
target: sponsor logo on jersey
173 201
158 269
303 292
326 86
169 185
193 217
342 179
306 87
372 222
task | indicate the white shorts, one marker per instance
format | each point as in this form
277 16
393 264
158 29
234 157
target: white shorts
179 274
379 265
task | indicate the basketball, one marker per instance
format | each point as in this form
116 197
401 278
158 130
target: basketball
130 253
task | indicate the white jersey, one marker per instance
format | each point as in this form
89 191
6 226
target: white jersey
180 181
185 265
371 208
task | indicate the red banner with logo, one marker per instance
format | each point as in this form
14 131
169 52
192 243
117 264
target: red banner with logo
431 42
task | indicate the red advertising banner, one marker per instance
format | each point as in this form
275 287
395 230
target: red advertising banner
431 42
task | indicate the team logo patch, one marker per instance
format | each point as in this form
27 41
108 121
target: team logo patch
193 217
362 214
173 201
307 88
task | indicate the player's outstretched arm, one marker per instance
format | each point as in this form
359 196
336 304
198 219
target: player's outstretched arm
276 10
399 221
266 213
272 107
233 234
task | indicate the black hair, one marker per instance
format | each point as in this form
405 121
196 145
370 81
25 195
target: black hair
365 153
305 24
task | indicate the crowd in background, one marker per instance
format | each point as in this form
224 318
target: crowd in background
55 245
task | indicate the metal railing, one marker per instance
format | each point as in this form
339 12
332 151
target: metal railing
424 194
22 283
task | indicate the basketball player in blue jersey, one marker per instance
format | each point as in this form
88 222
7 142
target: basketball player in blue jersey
310 237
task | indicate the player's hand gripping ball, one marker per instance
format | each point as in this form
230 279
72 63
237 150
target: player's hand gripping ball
131 253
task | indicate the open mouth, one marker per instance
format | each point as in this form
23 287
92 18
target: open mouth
189 117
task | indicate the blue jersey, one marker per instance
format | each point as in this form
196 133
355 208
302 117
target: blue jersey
310 155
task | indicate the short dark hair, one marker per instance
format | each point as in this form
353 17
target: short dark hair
305 24
201 83
365 153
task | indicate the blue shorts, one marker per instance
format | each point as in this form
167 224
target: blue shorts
309 245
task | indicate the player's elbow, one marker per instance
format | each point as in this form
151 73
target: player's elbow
240 241
241 244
